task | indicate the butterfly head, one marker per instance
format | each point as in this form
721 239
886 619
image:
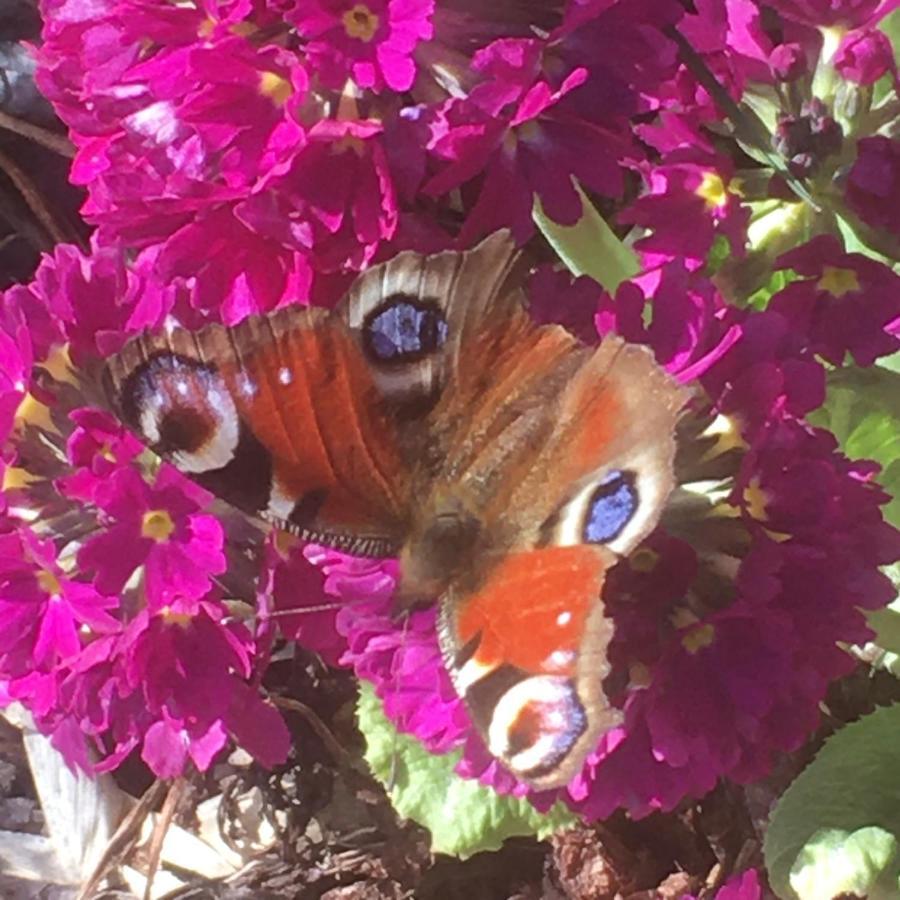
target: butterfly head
442 549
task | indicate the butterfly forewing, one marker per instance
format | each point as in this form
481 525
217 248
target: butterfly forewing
310 419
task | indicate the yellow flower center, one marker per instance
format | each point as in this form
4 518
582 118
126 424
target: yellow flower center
715 192
360 22
756 500
243 29
276 88
157 525
180 620
48 582
838 281
698 638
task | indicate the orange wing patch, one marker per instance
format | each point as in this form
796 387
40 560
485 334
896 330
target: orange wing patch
308 396
532 611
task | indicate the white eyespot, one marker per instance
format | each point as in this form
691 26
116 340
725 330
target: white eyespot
185 410
219 447
285 376
149 429
564 618
219 399
622 518
535 724
153 405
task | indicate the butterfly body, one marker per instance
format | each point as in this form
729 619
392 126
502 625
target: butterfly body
508 464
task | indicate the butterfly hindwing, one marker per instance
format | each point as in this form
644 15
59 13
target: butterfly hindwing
525 637
527 651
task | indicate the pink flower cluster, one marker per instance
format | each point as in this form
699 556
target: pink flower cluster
242 155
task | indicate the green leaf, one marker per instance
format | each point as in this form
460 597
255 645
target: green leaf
589 247
835 830
463 817
890 25
862 409
836 862
891 362
760 298
886 624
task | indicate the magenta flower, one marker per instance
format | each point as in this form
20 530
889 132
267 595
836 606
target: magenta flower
95 301
848 13
845 303
175 685
40 608
97 447
228 269
516 131
157 528
864 56
873 188
15 364
337 199
371 42
691 199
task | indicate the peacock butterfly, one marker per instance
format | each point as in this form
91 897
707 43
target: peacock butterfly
507 463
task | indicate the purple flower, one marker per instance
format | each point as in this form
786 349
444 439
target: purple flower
97 447
691 199
229 270
523 136
864 56
371 42
688 328
845 302
822 13
873 187
547 287
174 684
337 200
157 528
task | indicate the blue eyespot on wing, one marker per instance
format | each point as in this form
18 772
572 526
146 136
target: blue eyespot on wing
610 508
403 330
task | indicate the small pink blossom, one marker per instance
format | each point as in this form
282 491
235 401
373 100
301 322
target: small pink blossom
159 528
371 42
